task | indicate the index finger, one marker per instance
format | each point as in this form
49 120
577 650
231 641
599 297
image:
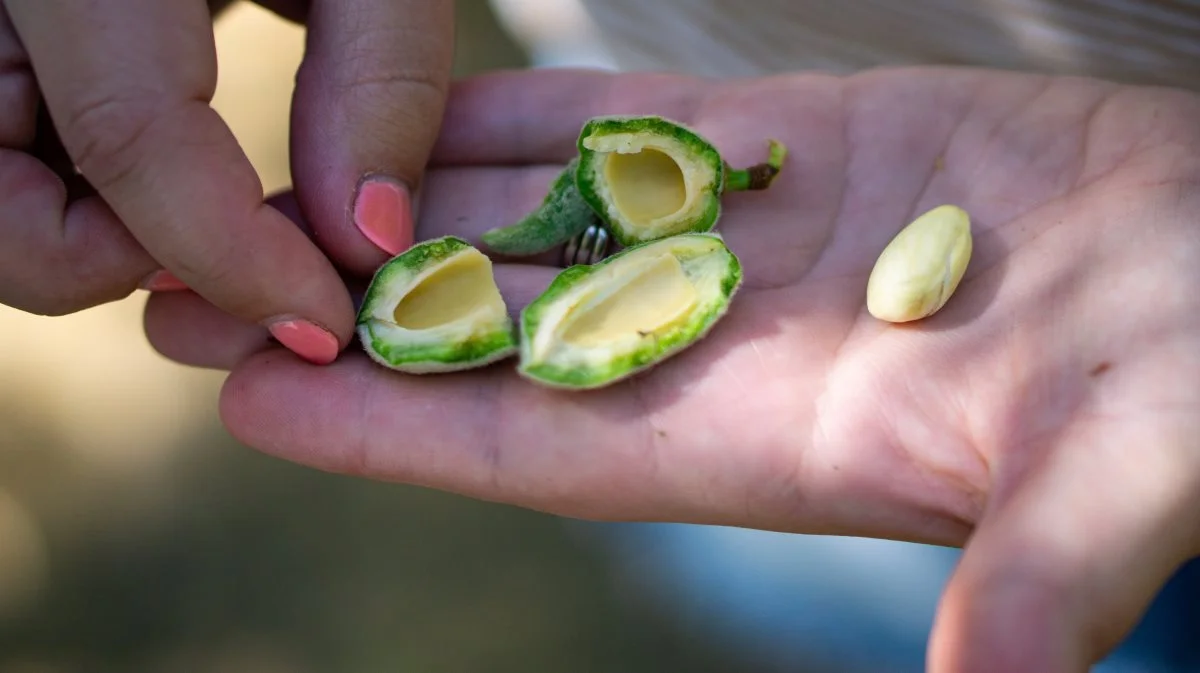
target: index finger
128 85
534 116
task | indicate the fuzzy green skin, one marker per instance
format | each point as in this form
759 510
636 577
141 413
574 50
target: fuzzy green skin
705 213
561 215
469 353
674 339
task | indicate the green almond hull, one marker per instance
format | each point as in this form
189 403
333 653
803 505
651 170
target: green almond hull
467 351
697 252
459 356
658 133
562 214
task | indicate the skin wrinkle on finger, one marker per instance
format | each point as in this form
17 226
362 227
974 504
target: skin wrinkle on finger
360 60
422 89
490 446
359 459
108 136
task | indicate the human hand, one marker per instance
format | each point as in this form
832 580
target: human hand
165 197
1048 418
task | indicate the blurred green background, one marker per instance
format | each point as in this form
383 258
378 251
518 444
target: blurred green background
137 536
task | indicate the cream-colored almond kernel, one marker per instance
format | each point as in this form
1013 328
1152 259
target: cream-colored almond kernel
920 269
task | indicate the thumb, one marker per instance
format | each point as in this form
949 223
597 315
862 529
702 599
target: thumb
1065 566
368 106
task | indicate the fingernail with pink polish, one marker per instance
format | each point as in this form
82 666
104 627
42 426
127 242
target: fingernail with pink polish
307 340
383 213
162 281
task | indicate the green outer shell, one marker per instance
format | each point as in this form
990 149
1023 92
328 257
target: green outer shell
562 214
693 251
705 211
475 350
468 354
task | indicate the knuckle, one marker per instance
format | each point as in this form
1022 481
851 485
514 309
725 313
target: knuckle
367 78
104 136
368 68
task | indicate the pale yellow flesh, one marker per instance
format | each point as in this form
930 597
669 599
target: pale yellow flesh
451 293
645 185
656 297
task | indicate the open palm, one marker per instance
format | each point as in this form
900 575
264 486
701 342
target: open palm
1048 418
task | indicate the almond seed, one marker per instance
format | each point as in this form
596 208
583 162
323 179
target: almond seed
921 267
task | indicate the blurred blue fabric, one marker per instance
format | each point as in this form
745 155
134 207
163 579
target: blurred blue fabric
865 604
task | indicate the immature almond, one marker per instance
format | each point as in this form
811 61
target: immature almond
436 308
922 266
598 324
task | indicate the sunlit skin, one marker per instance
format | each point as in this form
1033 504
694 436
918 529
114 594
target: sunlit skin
1048 417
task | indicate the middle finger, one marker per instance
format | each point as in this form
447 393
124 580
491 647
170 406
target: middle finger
467 202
